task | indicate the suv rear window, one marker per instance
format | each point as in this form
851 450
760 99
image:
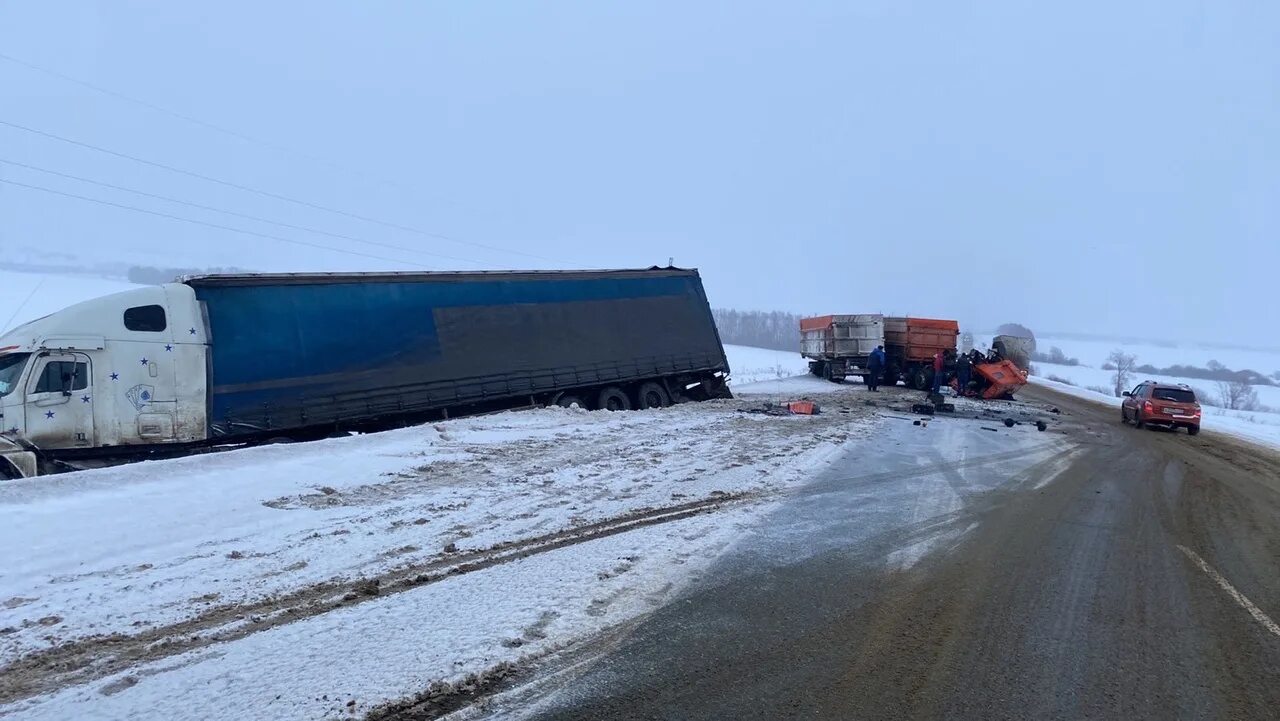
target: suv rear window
1177 395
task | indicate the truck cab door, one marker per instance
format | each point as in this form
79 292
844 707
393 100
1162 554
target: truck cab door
59 402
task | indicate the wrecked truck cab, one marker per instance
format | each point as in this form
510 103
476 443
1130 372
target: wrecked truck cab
106 372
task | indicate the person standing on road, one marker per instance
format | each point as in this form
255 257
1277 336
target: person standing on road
938 365
875 368
963 366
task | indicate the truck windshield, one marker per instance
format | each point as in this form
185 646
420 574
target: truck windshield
11 366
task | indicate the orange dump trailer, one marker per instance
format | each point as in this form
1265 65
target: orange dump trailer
910 344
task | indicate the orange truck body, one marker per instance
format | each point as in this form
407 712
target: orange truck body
920 338
1004 378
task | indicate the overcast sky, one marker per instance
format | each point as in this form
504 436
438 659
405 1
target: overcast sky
1105 167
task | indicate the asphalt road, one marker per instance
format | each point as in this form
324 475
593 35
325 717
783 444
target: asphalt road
1131 577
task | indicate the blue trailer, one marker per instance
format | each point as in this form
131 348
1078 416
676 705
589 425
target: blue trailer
217 359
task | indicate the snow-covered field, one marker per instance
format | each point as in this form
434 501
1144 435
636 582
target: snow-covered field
1094 353
246 570
753 365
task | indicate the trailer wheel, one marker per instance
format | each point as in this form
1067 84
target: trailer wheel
815 368
569 400
652 395
613 399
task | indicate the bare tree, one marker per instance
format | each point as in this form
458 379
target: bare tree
1124 364
1238 395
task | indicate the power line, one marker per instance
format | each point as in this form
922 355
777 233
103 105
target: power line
264 193
22 305
204 123
246 216
219 226
153 106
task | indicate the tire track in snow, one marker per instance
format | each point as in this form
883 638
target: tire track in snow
93 658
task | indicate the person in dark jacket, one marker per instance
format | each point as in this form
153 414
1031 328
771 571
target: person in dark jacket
963 365
875 368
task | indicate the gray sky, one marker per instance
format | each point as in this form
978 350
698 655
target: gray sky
1105 167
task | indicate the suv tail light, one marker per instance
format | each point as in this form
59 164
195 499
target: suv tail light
1148 408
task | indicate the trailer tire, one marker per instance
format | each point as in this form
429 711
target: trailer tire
652 395
569 400
613 399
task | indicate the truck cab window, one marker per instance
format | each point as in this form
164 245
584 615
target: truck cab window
146 318
11 370
63 375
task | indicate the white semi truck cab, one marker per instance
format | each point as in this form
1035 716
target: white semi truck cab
127 369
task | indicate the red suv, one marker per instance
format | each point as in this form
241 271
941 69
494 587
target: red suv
1170 405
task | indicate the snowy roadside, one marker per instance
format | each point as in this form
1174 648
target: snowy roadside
1257 427
440 551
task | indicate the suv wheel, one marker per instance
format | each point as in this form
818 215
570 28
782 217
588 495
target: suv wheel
1193 430
1137 420
1124 417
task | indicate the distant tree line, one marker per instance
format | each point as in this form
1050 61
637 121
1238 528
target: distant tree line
1054 356
149 275
1215 371
762 329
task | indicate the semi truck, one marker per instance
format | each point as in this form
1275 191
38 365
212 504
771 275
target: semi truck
837 346
233 359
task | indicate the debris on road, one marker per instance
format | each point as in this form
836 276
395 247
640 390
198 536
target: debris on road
785 408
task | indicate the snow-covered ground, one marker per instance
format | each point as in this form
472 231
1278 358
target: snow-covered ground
277 573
